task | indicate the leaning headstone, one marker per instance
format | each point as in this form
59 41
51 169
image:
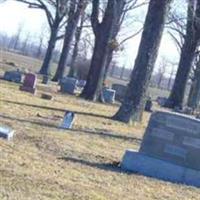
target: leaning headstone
13 76
108 95
6 132
68 85
29 84
170 149
68 120
120 91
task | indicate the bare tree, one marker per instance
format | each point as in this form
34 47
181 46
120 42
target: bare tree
191 41
76 8
103 30
55 11
134 101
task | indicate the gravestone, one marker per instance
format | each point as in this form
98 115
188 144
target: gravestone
108 95
47 96
81 83
29 84
13 76
170 149
45 79
68 120
6 132
161 101
68 85
148 105
120 91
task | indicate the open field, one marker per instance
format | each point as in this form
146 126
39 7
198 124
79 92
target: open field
44 162
30 64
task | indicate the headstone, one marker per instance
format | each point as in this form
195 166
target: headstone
81 83
13 76
29 84
45 79
161 101
68 120
68 85
170 149
6 132
148 106
120 91
108 95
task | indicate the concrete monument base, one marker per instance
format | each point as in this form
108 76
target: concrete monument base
140 163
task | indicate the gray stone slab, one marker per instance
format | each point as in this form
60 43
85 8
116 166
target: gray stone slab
6 132
173 138
68 85
149 166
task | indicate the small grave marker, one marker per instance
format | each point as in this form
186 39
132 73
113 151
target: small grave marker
29 84
6 132
109 95
68 120
68 85
120 91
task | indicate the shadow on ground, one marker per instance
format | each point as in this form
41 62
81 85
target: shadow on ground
55 109
91 132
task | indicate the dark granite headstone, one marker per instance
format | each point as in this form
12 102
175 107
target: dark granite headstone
29 84
120 91
45 79
170 149
68 85
13 76
148 106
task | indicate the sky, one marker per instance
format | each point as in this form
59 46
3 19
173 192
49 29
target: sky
13 14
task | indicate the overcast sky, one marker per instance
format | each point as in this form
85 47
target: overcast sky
12 14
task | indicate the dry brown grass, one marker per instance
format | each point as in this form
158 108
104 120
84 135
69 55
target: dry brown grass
43 162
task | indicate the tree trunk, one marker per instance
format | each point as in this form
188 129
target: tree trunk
69 33
194 96
176 98
93 86
133 103
72 71
49 53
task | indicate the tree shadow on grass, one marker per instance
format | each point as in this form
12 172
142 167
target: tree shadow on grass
56 109
108 135
112 166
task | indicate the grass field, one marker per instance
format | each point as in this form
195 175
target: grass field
45 163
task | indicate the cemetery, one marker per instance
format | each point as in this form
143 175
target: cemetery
99 100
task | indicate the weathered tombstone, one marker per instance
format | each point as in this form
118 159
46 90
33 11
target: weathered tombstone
148 105
68 120
13 76
29 84
170 149
6 132
108 95
120 91
68 85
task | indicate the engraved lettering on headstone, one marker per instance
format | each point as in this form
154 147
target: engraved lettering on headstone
193 142
175 150
182 124
163 134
